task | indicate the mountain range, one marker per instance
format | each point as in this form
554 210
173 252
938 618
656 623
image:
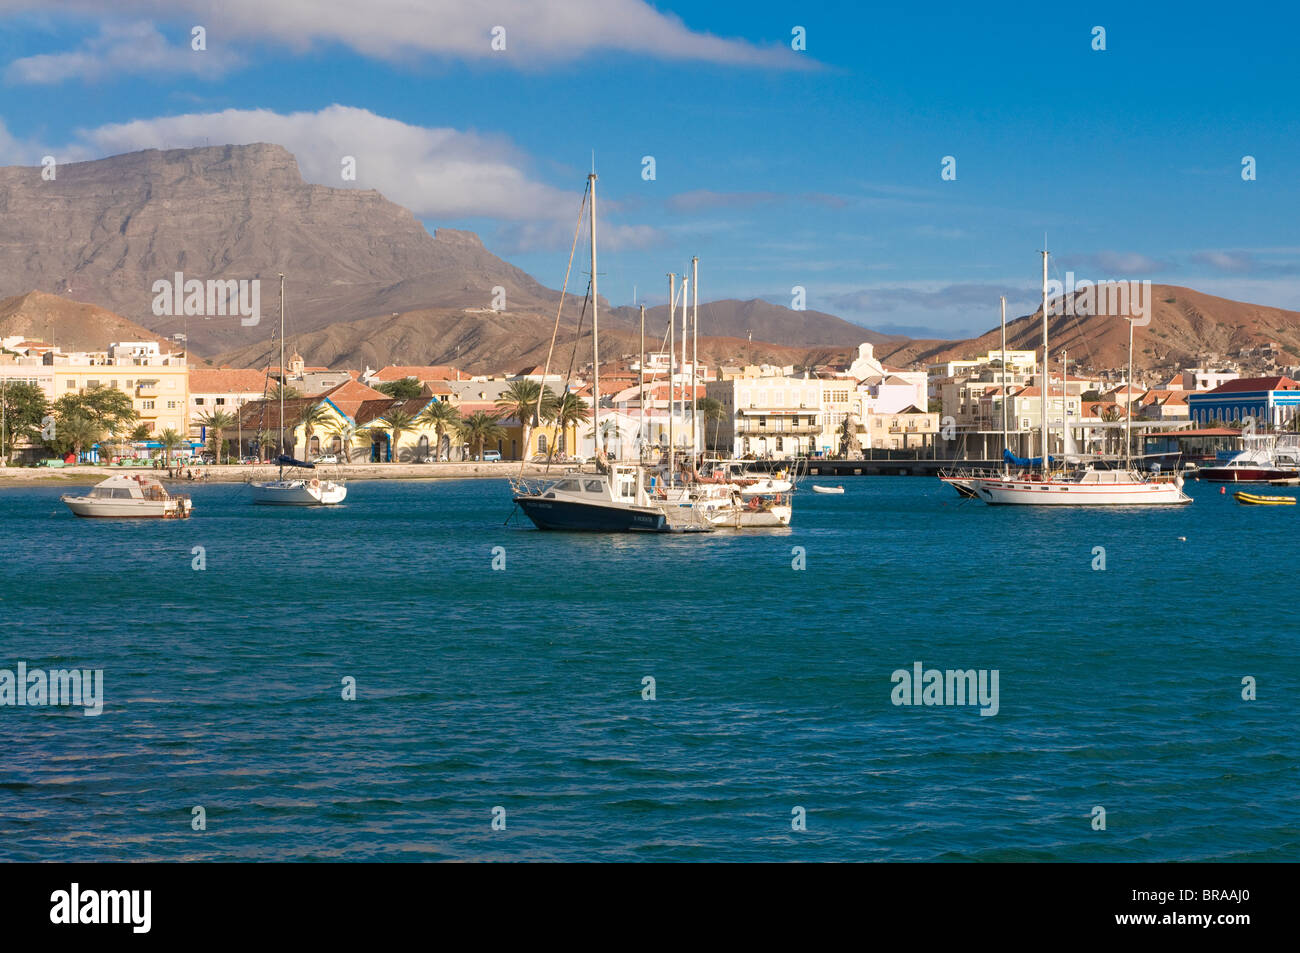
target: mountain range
368 285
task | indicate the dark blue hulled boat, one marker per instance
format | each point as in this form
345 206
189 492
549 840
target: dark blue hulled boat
614 502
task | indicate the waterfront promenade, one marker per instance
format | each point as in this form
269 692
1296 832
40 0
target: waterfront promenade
230 473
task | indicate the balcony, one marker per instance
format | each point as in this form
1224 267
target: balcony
748 429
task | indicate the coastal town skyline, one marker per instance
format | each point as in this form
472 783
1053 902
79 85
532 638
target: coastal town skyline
789 154
636 431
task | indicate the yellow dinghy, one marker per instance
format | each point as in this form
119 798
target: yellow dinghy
1256 500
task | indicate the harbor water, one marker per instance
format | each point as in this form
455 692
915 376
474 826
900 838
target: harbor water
728 696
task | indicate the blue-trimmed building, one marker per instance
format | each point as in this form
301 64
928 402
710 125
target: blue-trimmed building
1269 400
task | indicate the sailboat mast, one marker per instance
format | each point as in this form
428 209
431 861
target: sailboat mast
595 320
1046 375
695 357
1065 402
1004 380
672 361
641 390
1128 403
685 282
282 374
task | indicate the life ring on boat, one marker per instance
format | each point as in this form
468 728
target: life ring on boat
315 484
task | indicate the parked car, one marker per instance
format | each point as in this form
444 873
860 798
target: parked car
492 455
326 458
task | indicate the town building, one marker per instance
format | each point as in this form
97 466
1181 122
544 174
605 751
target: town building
1271 401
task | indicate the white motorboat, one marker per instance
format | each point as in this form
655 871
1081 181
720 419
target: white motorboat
129 496
618 501
827 489
755 512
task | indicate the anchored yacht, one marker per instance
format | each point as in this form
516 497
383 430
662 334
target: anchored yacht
129 496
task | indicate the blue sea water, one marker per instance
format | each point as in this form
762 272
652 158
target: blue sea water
522 688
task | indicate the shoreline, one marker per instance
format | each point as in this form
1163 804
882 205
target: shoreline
89 474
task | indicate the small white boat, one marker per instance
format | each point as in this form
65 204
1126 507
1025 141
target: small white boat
306 491
827 489
313 492
129 496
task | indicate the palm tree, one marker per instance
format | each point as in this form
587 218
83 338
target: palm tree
477 429
347 432
218 421
442 417
520 400
609 431
711 409
170 440
1110 415
568 411
289 393
311 417
76 432
396 422
265 442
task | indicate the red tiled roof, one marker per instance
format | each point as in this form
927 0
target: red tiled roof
373 410
1247 384
350 395
226 381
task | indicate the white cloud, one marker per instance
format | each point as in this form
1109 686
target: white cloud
437 173
537 32
440 174
121 48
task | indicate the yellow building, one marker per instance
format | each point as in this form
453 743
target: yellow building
157 383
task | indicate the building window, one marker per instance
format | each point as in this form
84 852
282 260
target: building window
72 385
148 405
198 401
541 443
219 401
559 444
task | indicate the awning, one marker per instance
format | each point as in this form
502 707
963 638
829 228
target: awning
802 412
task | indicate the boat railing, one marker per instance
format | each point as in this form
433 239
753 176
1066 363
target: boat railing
970 473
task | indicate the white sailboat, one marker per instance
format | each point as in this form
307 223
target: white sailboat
1035 482
309 491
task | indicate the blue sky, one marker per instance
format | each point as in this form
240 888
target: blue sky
819 168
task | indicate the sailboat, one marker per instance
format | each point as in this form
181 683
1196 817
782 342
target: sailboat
1034 481
310 491
618 497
